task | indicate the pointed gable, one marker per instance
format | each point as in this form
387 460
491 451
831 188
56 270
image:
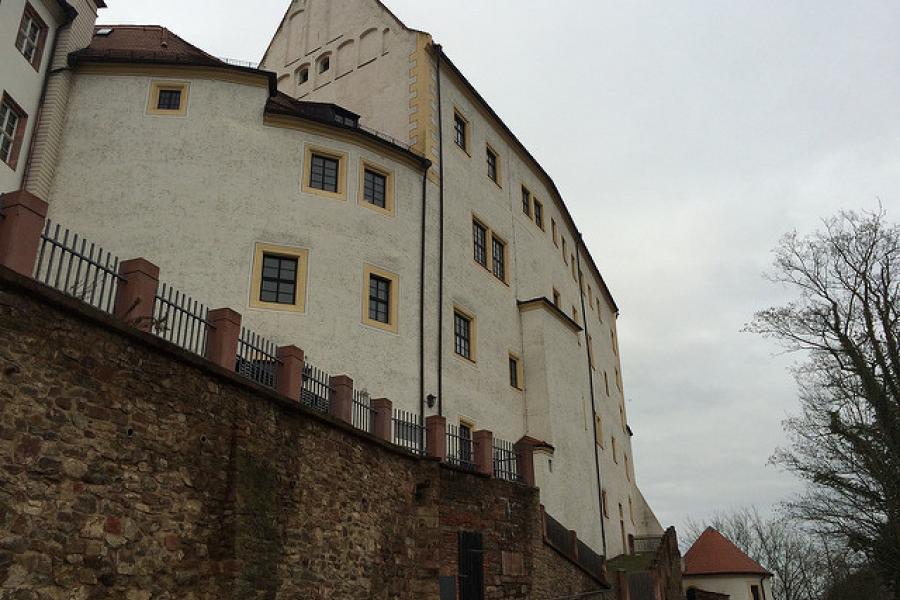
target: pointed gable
714 554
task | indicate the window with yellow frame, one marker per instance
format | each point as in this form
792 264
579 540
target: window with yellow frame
380 298
376 188
325 173
168 98
278 278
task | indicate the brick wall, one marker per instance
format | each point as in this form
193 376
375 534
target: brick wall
130 469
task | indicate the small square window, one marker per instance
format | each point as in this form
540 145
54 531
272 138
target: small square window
324 64
498 258
324 172
168 98
375 188
479 243
493 168
526 201
31 36
279 278
464 335
460 131
12 130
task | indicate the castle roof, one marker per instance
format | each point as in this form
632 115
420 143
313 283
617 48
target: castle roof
714 554
144 43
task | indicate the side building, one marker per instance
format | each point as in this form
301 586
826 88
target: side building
31 32
383 217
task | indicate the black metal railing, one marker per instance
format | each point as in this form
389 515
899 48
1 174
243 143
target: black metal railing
363 413
409 433
558 535
460 448
316 390
589 559
256 358
78 268
181 320
506 461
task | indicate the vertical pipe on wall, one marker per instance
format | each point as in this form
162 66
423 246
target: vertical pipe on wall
422 296
590 367
439 52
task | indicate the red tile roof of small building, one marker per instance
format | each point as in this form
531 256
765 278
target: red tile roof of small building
714 554
145 43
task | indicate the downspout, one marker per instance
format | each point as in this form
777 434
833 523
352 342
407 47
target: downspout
422 300
40 113
439 50
584 319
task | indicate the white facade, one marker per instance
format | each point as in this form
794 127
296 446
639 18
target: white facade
736 587
197 193
21 78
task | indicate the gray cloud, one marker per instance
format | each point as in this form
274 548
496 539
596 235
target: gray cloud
686 136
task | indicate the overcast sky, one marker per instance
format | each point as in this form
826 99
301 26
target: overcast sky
686 137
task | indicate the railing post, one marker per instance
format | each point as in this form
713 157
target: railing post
383 412
484 452
289 374
20 230
436 437
573 539
222 337
525 457
136 293
341 405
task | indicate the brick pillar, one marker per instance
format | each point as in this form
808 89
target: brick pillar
20 230
341 405
222 337
525 458
622 591
484 452
436 437
289 376
136 292
381 423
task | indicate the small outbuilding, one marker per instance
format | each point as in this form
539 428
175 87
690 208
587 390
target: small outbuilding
714 568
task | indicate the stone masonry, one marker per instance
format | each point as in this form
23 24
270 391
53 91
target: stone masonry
131 469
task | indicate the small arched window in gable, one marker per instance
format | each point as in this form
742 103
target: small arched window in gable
302 74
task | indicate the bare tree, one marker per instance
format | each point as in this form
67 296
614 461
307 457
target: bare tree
846 441
796 557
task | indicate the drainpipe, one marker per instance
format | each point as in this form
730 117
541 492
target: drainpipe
422 299
584 319
439 52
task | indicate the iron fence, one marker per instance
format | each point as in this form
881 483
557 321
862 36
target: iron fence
590 560
363 413
256 358
409 433
77 268
558 536
506 461
181 320
460 448
316 390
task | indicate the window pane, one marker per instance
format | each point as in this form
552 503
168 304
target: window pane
379 299
526 202
492 165
462 326
460 130
479 236
539 214
375 188
169 100
323 173
499 259
279 279
513 372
